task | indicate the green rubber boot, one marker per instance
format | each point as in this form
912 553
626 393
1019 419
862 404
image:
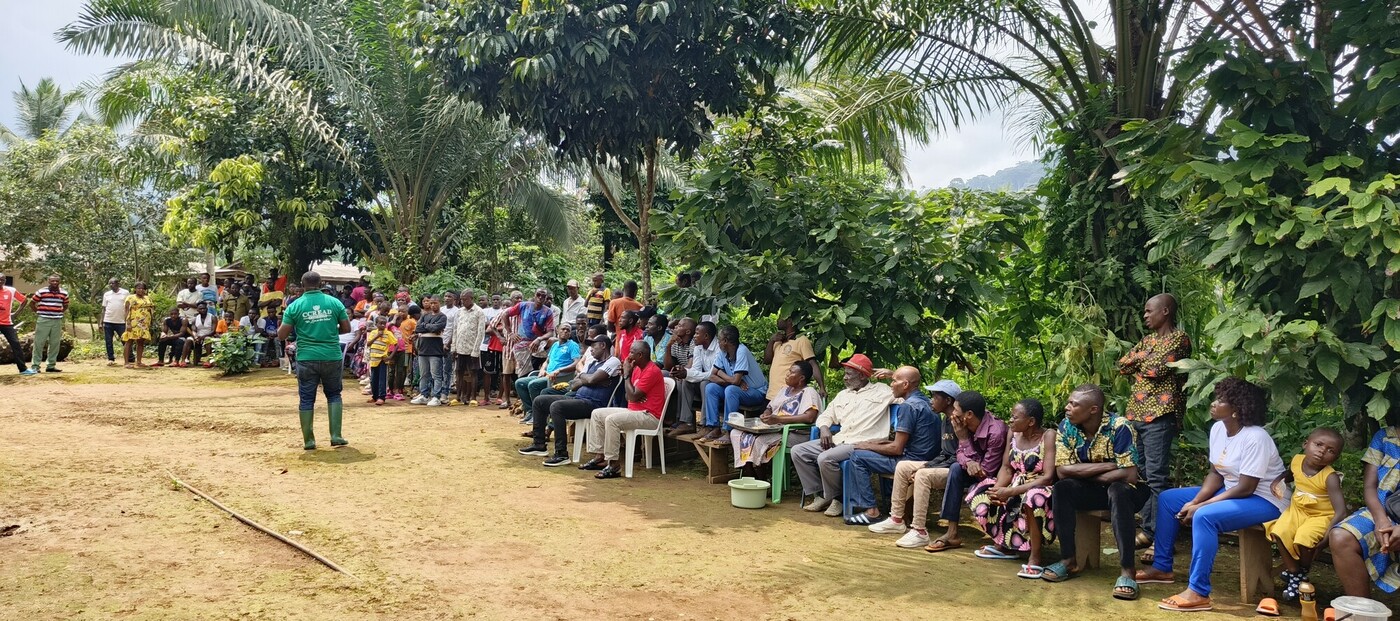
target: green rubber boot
333 412
308 436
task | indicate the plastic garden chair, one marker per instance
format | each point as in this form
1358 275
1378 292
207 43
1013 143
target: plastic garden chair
782 476
581 428
632 435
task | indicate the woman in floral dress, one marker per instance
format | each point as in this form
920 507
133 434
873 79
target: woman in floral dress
140 312
1014 510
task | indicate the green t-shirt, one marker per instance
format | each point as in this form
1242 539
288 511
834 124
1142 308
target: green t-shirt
316 317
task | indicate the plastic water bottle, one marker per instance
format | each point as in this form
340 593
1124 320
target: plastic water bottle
1307 596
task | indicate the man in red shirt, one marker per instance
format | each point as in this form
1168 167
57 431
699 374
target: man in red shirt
646 401
9 299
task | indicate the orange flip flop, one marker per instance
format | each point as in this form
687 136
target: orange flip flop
1268 607
1176 604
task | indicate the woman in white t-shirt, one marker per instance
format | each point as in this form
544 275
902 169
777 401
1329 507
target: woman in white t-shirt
1245 487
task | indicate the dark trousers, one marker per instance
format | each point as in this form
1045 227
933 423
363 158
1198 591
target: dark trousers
379 381
176 346
110 330
958 480
561 408
1122 500
324 373
1154 444
13 340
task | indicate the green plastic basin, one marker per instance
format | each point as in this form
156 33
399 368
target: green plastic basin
748 493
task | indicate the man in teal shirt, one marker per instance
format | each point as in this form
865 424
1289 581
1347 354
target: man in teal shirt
318 320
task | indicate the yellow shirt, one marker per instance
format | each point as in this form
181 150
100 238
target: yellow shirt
378 350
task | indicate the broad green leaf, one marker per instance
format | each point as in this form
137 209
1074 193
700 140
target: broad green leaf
1328 364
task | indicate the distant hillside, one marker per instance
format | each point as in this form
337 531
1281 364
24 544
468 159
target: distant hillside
1022 176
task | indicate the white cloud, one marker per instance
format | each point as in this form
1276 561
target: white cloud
980 148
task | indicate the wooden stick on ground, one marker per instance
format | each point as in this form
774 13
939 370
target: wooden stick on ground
274 534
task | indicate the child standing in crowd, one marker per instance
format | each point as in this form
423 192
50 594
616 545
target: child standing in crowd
1317 506
378 344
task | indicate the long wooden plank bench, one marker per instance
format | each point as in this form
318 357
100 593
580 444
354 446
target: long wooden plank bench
1256 554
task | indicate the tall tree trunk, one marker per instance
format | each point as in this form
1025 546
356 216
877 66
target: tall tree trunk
644 201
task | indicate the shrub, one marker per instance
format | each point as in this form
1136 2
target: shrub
235 352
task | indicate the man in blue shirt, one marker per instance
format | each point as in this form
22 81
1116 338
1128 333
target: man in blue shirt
917 433
559 367
736 381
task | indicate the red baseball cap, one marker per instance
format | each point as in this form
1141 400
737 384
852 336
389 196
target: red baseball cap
860 363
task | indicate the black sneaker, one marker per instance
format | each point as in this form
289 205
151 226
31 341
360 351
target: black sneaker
538 451
557 460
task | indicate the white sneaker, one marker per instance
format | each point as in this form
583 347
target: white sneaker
835 510
911 539
818 504
888 526
419 400
434 402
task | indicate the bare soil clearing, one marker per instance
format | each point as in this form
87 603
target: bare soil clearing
438 517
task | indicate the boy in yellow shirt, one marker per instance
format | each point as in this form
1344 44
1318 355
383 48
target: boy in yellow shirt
378 342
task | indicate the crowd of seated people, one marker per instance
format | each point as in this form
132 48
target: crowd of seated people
1021 481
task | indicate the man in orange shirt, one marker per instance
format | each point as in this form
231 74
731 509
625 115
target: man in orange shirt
9 299
627 302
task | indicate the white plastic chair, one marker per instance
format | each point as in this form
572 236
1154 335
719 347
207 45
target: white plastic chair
581 428
633 434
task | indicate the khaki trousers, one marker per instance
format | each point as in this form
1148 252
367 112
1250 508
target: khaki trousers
913 474
606 426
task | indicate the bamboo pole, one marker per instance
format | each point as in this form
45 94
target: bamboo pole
274 534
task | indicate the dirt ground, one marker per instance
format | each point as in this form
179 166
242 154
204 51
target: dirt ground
436 516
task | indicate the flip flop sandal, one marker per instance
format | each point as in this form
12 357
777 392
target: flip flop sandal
1058 572
1147 557
1125 588
1267 607
1031 572
1177 605
942 545
991 552
1142 579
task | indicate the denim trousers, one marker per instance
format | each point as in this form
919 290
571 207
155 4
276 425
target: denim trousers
432 376
325 373
729 399
110 330
1206 525
863 464
379 381
1154 443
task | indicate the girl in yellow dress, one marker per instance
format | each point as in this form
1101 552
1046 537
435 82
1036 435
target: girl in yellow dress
139 312
1316 507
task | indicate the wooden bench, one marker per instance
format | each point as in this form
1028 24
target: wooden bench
719 460
1256 554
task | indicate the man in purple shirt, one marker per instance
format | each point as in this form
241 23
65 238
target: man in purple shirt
981 442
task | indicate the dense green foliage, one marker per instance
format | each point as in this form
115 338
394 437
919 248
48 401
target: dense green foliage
233 352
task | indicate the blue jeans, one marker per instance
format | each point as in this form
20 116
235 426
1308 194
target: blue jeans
863 464
731 398
432 376
958 480
1206 525
379 381
326 373
110 330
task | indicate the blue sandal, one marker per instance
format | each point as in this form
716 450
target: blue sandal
1059 572
1125 588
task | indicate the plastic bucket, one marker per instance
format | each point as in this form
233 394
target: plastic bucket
748 493
1360 609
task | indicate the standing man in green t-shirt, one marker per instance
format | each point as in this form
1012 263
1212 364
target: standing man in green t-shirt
318 320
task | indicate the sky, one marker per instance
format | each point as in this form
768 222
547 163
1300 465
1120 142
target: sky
29 52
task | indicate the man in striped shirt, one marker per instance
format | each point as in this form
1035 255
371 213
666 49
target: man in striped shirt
49 304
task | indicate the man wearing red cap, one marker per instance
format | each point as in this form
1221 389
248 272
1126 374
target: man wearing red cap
862 411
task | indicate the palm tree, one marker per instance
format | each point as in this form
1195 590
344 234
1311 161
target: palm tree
435 153
45 108
1038 60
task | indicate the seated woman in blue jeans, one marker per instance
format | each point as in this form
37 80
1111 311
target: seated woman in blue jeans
1244 487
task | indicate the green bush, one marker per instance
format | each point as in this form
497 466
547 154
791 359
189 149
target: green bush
235 352
438 283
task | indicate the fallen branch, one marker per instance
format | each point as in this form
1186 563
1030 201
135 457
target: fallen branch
274 534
